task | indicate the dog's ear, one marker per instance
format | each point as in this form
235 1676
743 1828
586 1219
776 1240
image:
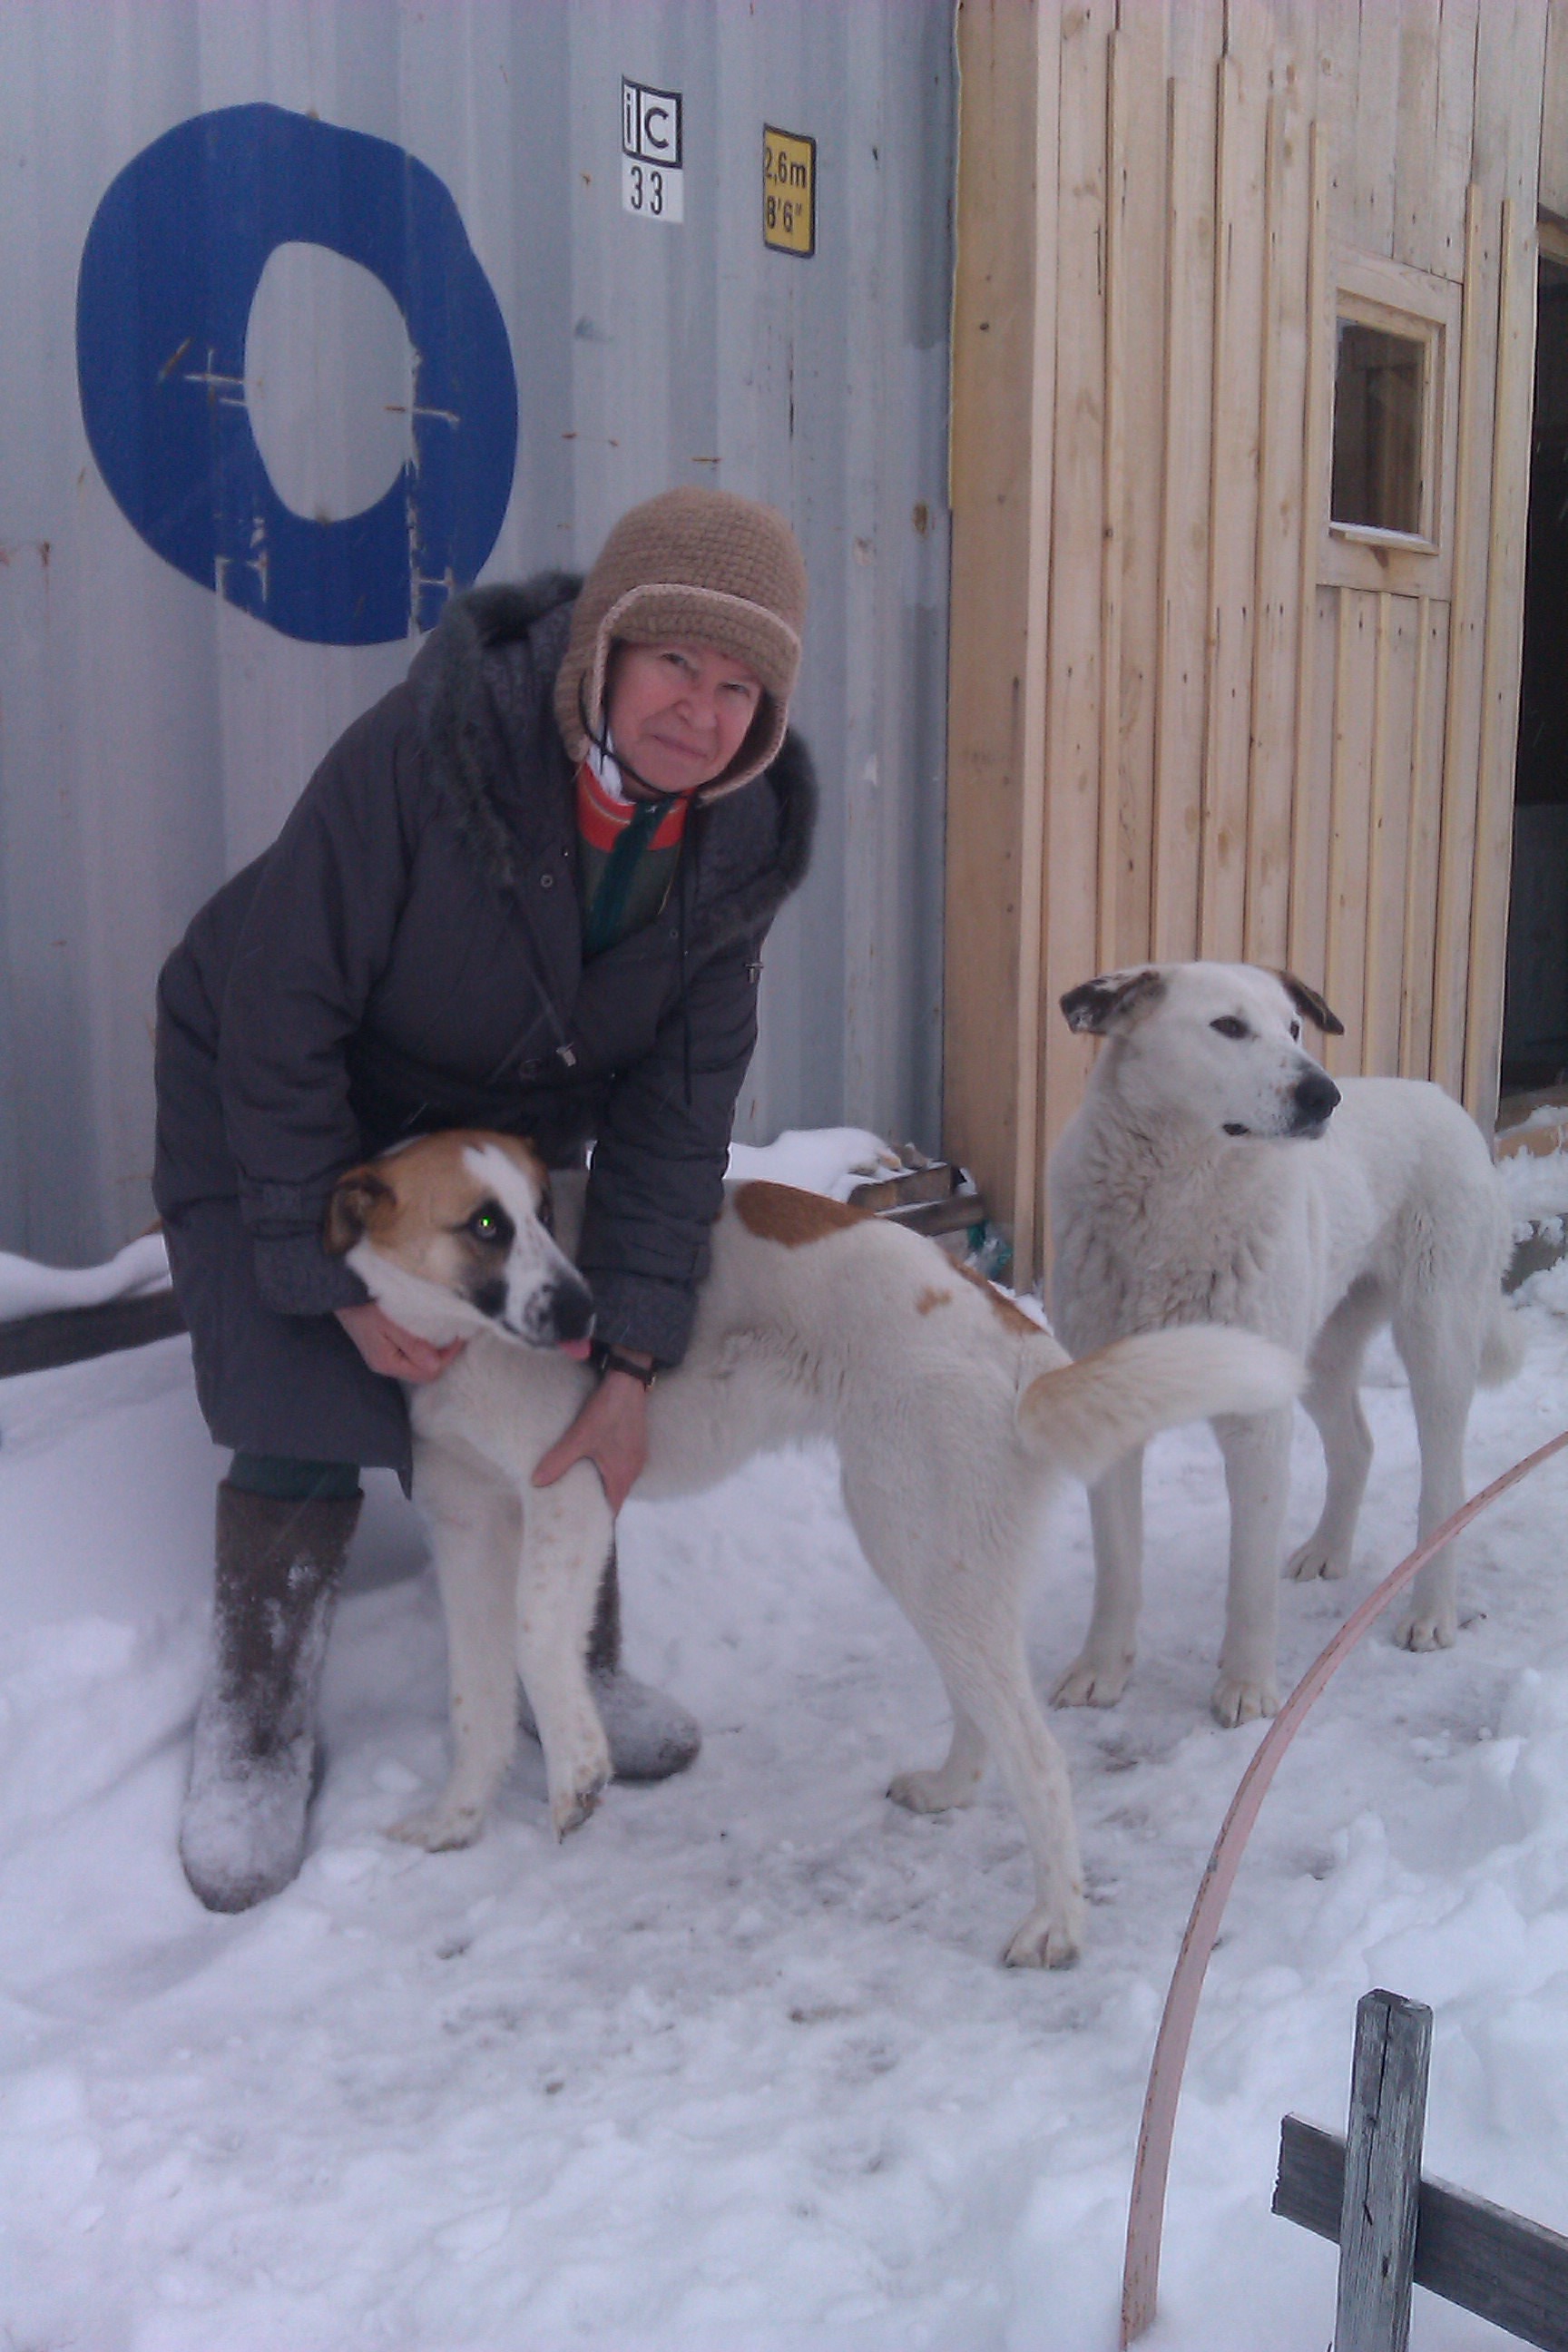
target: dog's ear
1310 1005
355 1198
1113 1001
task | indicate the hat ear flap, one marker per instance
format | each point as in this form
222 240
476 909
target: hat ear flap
1310 1005
351 1211
762 738
1116 1002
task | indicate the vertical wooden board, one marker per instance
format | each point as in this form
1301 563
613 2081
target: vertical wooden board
1510 63
1140 119
1457 32
1114 834
1282 522
1379 795
1196 39
1350 805
1382 2184
1075 673
1182 679
988 469
1306 882
1417 237
1418 957
1451 948
1553 185
1377 126
1293 53
1535 27
1027 1188
1339 64
993 816
1402 632
1313 812
1239 251
1500 668
1462 699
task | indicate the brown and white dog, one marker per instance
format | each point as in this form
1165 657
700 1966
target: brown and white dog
953 1412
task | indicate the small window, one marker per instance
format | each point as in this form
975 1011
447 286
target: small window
1379 400
1387 448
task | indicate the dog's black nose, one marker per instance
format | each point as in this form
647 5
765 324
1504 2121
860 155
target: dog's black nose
570 1310
1316 1095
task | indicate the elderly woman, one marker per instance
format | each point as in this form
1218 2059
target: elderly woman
527 890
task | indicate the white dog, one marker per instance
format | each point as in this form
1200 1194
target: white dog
953 1414
1215 1173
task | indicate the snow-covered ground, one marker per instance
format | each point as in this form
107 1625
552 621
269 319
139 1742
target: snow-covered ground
735 2069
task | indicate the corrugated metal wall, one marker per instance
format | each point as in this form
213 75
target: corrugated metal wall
153 732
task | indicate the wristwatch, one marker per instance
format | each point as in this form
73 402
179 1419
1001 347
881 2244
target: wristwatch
608 1357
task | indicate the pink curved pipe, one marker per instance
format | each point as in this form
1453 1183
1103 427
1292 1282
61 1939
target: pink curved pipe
1145 2219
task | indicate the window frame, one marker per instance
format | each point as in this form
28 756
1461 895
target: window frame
1420 308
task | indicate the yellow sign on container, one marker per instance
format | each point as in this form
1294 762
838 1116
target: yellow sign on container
789 192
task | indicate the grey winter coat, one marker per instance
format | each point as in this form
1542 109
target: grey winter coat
408 956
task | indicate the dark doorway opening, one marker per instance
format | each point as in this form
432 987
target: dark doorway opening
1535 1010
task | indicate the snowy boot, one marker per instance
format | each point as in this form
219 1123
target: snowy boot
242 1833
650 1736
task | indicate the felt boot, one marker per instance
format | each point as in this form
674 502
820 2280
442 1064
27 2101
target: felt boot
242 1833
650 1736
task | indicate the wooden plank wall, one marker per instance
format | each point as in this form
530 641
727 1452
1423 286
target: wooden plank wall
1554 116
1235 758
1000 493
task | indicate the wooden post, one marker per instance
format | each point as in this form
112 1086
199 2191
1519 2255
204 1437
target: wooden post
1506 2270
1383 2173
1003 385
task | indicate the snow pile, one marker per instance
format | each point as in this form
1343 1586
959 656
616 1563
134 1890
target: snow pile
831 1159
1537 1188
735 2069
26 1288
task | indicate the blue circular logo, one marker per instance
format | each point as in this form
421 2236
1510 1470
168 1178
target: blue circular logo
168 276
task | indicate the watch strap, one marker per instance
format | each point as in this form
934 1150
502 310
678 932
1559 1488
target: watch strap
610 1358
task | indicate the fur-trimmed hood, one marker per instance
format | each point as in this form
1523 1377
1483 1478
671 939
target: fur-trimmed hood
483 687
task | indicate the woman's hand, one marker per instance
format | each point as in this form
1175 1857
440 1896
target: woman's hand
611 1431
387 1347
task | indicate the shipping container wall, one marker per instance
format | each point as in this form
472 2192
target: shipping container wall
312 312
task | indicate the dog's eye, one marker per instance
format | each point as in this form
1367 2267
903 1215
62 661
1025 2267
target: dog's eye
489 1222
546 1212
1295 1029
1229 1027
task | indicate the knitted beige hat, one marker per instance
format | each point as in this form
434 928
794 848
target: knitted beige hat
706 566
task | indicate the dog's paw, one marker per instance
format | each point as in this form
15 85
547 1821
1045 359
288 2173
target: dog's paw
1090 1682
1428 1629
441 1828
571 1808
1315 1559
579 1792
930 1792
1048 1938
1237 1702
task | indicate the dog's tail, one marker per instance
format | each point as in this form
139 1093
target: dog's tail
1084 1416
